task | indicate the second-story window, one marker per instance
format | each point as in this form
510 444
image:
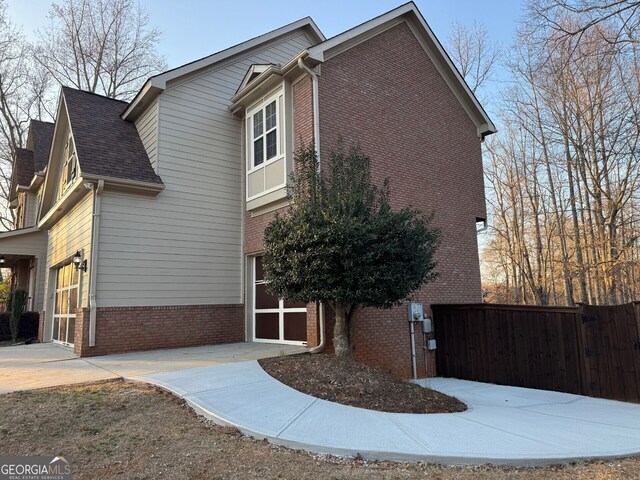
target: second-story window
70 161
69 168
267 151
264 133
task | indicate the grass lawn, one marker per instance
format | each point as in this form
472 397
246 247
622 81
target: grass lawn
130 430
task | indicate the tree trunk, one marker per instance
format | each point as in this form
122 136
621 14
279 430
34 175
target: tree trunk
341 343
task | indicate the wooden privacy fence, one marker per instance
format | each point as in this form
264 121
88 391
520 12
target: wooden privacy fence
588 350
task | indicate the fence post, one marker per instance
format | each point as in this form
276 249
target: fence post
585 367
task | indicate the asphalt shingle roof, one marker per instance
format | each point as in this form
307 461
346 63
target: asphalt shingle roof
106 144
23 166
41 137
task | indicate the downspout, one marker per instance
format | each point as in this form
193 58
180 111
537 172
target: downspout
316 112
93 274
316 138
320 347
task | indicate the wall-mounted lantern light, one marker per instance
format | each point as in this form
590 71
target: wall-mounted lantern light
2 260
79 263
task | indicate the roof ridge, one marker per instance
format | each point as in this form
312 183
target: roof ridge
73 89
35 120
282 27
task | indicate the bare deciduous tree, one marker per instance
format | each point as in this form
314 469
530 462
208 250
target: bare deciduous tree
564 174
624 14
18 100
473 53
103 46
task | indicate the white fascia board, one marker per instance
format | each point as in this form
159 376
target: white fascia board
149 91
37 180
47 169
20 231
484 124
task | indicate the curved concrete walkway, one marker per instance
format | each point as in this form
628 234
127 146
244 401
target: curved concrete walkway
506 425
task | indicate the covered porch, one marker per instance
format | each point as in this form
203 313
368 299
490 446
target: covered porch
25 252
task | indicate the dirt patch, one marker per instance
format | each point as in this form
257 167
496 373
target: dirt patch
130 430
352 383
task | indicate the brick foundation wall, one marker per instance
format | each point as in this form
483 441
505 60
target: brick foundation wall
41 326
128 329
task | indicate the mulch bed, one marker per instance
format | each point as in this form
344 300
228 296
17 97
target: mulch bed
351 383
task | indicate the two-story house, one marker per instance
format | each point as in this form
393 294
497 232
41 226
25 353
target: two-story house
163 201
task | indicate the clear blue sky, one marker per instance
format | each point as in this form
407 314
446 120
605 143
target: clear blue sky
195 28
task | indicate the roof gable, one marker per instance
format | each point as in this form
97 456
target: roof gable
22 171
252 73
23 166
33 159
40 138
106 145
156 84
410 14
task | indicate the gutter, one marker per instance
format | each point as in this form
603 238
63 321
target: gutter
124 183
316 137
93 273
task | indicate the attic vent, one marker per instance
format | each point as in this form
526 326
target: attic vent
252 77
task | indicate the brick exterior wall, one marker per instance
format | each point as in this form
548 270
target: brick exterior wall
127 329
41 326
386 94
302 92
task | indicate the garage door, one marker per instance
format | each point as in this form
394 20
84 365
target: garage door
275 320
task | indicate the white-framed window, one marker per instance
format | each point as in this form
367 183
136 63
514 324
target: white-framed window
265 132
69 168
268 151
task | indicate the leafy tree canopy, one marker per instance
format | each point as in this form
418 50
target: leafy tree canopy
341 243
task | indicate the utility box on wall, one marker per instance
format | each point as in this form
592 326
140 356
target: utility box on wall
416 314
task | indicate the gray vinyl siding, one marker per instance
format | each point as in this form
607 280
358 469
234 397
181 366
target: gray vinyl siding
147 126
68 235
184 246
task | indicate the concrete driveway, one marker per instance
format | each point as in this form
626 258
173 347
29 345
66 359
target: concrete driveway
27 367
